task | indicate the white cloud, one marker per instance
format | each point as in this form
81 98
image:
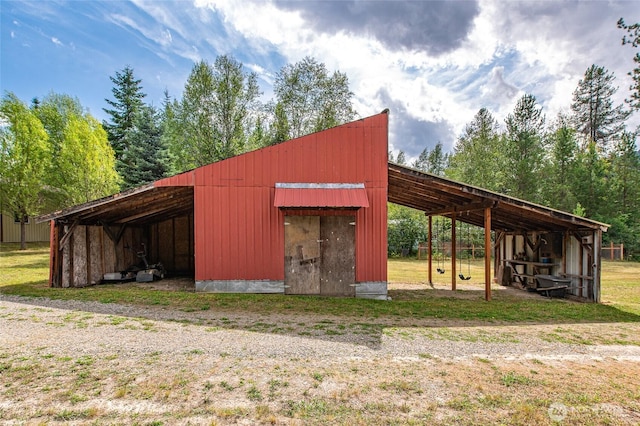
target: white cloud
541 48
55 41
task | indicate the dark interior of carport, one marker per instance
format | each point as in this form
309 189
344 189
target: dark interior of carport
514 222
107 235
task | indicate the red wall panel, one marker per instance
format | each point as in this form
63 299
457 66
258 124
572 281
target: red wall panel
239 234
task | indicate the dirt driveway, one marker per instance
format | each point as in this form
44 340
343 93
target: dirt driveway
70 362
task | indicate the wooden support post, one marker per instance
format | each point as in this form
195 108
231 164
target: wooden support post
621 251
487 254
53 250
453 251
429 251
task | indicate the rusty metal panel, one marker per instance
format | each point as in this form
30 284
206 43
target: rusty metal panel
302 259
337 267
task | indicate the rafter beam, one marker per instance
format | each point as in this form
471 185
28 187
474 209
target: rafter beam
463 208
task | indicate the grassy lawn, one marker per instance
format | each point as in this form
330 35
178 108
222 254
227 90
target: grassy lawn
25 273
50 385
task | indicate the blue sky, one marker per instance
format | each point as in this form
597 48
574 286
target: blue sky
434 64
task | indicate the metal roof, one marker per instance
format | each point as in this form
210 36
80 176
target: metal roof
320 195
435 195
438 196
141 205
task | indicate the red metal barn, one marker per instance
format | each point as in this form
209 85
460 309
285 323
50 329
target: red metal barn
307 216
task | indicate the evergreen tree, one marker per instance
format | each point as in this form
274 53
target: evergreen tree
434 161
281 128
524 149
124 112
438 160
559 171
401 158
594 115
590 184
422 162
632 38
625 170
147 155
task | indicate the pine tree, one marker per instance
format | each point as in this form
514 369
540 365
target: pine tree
594 115
437 160
124 112
432 161
632 38
524 149
147 155
401 159
560 168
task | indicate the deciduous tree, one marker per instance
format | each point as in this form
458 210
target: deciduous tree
82 164
24 161
216 115
311 99
478 157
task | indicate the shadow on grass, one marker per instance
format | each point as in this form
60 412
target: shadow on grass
348 320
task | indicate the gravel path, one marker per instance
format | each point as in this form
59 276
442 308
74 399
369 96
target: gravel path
77 363
93 327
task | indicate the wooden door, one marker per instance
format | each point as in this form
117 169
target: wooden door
302 254
338 254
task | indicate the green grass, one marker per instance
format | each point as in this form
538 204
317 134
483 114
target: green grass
25 273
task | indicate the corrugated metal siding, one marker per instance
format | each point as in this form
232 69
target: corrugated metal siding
34 231
183 179
314 197
239 233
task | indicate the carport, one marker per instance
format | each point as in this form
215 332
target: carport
528 238
106 234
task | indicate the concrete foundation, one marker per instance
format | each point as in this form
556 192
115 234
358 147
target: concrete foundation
240 286
372 290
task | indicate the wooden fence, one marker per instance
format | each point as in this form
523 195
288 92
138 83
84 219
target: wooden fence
613 251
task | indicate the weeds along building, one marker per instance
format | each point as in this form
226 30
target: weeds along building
309 216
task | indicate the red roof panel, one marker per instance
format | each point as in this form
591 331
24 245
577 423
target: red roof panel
321 195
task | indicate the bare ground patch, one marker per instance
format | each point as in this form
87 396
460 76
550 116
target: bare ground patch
69 362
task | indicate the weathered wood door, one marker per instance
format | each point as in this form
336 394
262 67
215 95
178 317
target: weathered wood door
320 255
302 254
337 252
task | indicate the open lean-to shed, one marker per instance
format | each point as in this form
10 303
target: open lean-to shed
309 216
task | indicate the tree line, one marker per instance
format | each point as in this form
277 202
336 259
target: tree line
54 154
585 161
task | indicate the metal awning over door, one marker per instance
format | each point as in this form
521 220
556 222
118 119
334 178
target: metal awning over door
321 195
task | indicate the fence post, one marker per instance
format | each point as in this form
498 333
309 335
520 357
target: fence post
611 253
